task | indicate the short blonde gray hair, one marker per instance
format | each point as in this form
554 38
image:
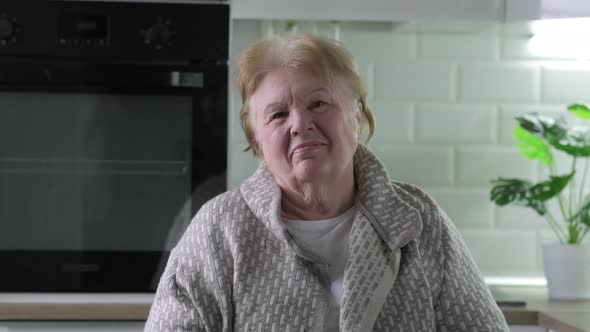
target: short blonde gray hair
326 58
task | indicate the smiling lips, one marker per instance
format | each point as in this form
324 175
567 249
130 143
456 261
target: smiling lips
306 146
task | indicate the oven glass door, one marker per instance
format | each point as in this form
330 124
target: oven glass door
101 170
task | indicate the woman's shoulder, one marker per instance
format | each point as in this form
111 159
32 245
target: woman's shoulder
225 207
216 221
434 220
415 196
230 197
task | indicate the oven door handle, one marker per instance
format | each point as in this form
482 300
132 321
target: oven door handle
186 79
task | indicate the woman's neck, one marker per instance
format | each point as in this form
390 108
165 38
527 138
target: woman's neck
318 200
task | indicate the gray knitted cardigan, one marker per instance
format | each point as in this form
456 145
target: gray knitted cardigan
237 269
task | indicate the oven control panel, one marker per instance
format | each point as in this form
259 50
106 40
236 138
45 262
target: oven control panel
150 30
8 30
83 30
160 34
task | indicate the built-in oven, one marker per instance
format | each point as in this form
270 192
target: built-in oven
113 132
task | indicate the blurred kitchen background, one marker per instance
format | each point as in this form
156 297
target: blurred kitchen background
444 83
444 95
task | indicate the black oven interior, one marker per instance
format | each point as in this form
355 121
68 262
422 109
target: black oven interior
113 132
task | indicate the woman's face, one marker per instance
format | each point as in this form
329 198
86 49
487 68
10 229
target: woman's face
306 129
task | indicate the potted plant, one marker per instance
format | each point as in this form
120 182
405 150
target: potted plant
539 137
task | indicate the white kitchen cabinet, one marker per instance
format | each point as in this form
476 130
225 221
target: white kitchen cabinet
517 10
71 326
368 10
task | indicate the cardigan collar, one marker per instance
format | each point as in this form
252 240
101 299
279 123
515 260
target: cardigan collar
396 222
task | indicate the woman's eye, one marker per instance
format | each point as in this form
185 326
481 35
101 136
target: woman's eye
277 115
316 104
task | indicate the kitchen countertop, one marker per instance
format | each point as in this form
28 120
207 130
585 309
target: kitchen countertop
73 311
561 316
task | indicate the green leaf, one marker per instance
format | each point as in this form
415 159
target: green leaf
532 146
548 189
522 192
584 213
585 217
579 110
506 191
531 123
575 143
515 191
542 125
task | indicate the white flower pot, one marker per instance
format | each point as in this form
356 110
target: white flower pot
567 268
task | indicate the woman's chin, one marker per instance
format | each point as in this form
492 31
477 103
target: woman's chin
310 170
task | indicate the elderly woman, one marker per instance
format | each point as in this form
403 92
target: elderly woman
319 238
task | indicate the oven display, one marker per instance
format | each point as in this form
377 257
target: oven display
83 28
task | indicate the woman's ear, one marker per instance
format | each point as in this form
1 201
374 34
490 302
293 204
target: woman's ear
358 117
359 114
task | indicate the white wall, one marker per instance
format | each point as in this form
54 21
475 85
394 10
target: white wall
444 96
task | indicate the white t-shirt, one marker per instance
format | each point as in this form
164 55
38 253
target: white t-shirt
328 239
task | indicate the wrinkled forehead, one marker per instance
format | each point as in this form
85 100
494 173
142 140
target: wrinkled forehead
288 83
296 84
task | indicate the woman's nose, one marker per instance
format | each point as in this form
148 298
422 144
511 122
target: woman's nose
301 121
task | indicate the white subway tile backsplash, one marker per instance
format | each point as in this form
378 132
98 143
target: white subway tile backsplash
457 46
565 84
467 208
544 237
404 45
236 134
477 166
499 252
325 29
368 77
459 27
366 71
522 48
515 48
562 164
241 165
393 123
422 166
519 217
455 124
243 33
493 82
506 125
376 42
409 81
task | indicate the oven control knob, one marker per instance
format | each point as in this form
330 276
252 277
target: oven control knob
7 28
160 34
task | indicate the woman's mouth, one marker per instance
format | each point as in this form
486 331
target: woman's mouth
306 147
